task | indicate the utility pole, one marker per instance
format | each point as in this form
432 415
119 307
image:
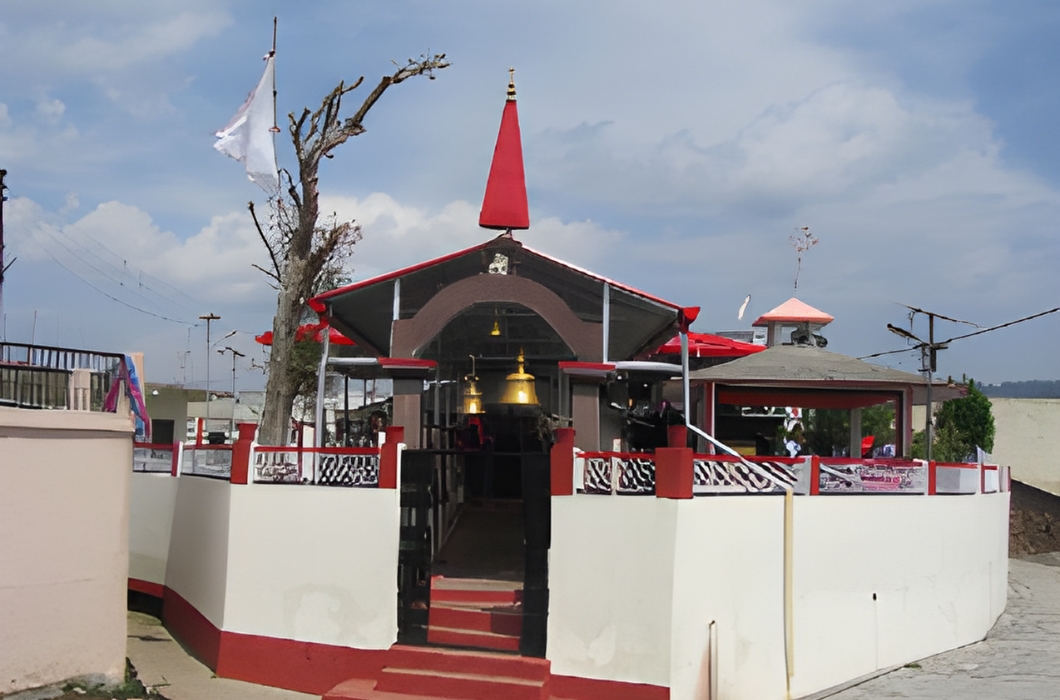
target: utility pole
208 318
3 267
235 354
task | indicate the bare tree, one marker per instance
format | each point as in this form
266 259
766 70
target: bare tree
302 247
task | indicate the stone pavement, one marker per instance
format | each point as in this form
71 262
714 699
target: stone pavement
163 664
1018 660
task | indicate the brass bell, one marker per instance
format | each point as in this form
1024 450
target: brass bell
519 386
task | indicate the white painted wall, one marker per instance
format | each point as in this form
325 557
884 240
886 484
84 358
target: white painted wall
938 566
635 582
611 581
1026 432
315 564
729 568
64 490
197 565
152 499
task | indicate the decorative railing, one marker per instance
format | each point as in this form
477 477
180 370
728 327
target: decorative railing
207 460
838 475
40 376
720 474
620 473
156 459
633 474
320 466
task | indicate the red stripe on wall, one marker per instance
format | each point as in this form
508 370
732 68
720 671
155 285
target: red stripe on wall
595 689
307 667
148 587
191 627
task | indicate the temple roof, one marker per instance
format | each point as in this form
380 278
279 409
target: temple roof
365 310
504 205
794 311
802 367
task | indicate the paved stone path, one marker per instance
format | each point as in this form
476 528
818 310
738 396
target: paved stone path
161 662
1018 660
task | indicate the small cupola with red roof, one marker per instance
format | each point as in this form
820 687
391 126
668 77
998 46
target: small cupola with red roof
504 206
804 320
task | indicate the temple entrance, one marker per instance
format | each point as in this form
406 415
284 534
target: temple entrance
478 578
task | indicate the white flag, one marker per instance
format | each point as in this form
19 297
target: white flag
248 137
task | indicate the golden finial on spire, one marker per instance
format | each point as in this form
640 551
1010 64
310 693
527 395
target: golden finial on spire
511 84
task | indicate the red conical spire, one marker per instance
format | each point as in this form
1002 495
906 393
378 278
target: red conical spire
504 206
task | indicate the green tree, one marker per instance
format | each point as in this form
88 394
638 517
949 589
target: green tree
961 425
971 417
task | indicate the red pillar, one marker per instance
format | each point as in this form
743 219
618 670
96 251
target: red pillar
388 457
676 436
562 462
932 478
815 475
673 472
241 453
175 465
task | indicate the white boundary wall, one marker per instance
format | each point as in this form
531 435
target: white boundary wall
314 564
635 582
64 545
611 573
308 563
197 568
152 499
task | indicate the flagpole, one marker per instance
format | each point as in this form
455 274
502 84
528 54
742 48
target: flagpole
275 128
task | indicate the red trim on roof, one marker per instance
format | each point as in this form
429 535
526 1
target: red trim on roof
406 363
317 302
613 283
707 345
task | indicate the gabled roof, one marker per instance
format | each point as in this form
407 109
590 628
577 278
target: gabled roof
364 310
794 311
805 367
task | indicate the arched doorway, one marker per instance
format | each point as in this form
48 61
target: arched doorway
480 481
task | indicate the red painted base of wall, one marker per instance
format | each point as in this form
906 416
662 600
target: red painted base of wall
310 667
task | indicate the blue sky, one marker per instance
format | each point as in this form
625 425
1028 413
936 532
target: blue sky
673 146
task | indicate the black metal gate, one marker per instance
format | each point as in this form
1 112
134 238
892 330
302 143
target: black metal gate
537 524
414 550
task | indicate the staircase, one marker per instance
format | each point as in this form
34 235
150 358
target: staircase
478 613
423 673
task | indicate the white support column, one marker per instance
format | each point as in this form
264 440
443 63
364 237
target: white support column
607 322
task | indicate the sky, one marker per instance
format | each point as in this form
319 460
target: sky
673 146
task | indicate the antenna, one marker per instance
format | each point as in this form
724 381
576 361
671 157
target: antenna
929 349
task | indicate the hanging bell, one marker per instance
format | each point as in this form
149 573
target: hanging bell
519 386
472 396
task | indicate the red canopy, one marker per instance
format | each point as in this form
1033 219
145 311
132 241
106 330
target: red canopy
707 345
310 331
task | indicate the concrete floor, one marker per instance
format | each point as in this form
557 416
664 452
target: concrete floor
487 542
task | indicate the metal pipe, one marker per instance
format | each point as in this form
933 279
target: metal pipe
318 438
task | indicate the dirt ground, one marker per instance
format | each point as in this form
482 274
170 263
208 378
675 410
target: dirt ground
1034 521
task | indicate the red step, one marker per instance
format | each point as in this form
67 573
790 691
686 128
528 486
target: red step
420 673
465 686
466 638
506 619
461 661
475 591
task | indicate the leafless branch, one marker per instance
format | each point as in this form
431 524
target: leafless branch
268 245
